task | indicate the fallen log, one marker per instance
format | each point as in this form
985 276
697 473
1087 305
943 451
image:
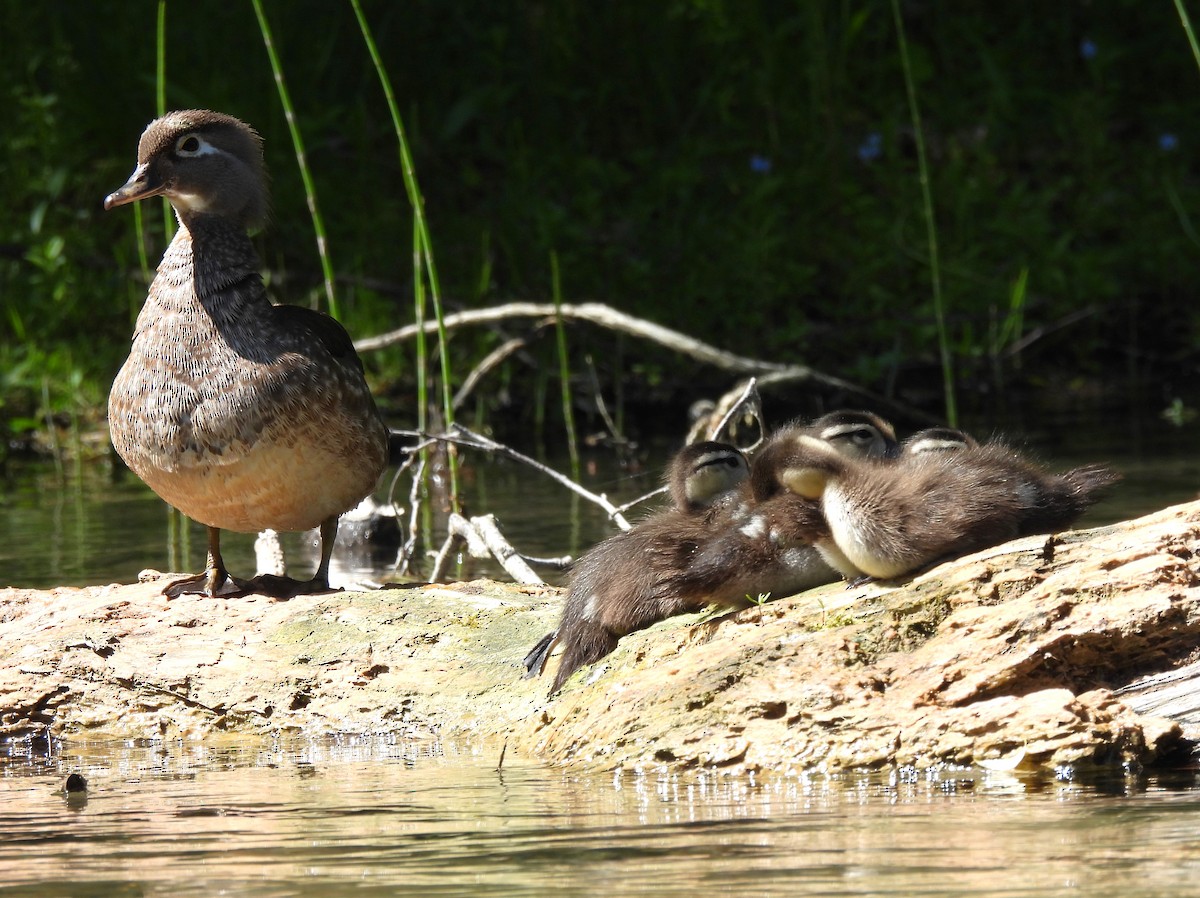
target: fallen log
1076 649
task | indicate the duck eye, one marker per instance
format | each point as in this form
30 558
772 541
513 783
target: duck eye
189 145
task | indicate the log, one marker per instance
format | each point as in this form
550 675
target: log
1077 649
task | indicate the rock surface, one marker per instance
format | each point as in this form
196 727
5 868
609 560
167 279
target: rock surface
1078 649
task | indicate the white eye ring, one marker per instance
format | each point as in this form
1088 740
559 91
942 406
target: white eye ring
193 145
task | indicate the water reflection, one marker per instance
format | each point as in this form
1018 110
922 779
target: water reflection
375 817
93 528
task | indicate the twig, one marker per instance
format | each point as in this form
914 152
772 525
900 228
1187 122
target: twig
484 540
608 317
492 360
501 549
453 540
463 436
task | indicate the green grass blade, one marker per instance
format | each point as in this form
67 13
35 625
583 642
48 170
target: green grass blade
426 266
564 365
160 105
1187 29
310 192
930 224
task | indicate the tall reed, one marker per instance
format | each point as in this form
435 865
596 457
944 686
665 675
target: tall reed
1186 20
424 267
564 364
930 225
310 192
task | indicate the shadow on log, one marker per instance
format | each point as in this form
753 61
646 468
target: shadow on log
1078 649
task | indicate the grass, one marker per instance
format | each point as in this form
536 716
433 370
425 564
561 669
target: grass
922 193
310 191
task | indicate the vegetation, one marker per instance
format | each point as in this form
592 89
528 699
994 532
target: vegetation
747 172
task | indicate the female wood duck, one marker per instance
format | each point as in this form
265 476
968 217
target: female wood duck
242 414
888 520
747 537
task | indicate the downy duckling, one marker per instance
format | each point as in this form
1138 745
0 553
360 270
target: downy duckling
623 583
745 538
937 439
768 547
889 520
242 414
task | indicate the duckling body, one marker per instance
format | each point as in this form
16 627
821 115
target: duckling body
732 535
630 580
241 414
770 546
889 520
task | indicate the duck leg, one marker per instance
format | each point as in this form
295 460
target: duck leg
287 587
214 581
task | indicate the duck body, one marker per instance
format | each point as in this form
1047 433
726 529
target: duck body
238 412
889 520
242 414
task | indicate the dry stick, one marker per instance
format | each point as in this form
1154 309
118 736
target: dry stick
484 540
492 360
601 405
464 436
606 316
500 549
739 400
442 558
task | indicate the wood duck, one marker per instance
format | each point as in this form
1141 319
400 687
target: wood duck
242 414
748 536
937 439
768 546
889 520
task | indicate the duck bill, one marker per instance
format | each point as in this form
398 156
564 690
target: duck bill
143 183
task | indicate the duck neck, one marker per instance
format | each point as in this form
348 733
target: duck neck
216 256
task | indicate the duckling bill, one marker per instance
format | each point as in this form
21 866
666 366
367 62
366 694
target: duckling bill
242 414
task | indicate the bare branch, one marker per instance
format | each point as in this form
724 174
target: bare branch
612 319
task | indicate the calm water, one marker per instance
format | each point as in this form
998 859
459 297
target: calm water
381 818
85 526
377 817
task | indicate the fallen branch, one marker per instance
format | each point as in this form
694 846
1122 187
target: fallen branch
612 319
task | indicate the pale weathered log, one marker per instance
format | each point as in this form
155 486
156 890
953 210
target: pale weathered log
1077 649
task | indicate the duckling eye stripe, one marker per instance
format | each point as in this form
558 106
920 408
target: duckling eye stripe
204 148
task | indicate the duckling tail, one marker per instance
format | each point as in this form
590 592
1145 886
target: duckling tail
535 661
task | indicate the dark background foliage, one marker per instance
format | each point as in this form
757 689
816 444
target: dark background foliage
740 170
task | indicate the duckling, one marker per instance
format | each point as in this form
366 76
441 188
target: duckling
748 536
624 583
937 439
888 520
242 414
769 545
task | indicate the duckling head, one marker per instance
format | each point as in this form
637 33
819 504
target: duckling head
938 439
856 434
703 472
809 466
205 163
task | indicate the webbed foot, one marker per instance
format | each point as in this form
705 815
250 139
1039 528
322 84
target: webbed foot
283 588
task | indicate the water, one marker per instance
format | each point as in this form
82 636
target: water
87 526
382 817
375 817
